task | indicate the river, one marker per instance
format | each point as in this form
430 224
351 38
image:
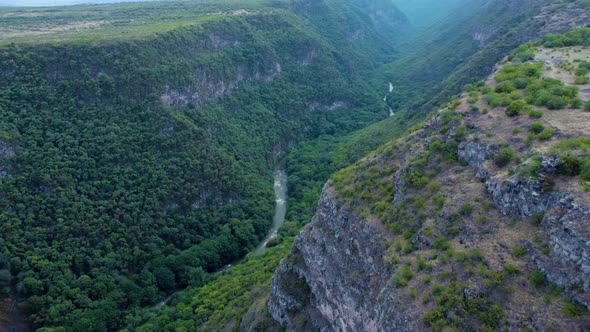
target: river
280 185
280 188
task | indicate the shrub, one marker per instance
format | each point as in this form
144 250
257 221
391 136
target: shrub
441 243
587 106
510 269
573 310
492 316
569 165
489 98
581 80
535 114
522 53
518 251
460 131
416 179
536 128
576 103
505 87
538 279
521 82
466 209
556 103
420 263
516 107
504 157
406 272
537 218
545 134
398 281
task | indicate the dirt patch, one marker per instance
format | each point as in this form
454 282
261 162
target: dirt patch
570 122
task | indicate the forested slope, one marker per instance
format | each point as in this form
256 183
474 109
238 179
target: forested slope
132 165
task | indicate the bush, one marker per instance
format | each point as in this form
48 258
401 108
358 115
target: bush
521 82
466 209
516 107
545 134
441 243
576 103
460 132
505 87
510 269
535 114
489 98
504 157
556 103
536 128
572 38
518 251
537 218
582 80
573 310
492 316
569 165
538 279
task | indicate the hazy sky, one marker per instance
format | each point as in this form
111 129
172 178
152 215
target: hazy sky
55 2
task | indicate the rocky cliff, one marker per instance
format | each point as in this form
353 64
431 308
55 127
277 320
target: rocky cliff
335 278
475 221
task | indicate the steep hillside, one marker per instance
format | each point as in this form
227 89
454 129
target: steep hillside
137 155
487 32
476 220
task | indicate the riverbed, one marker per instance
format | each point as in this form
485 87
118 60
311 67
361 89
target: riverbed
280 186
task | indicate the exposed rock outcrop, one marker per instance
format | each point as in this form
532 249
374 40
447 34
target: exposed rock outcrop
335 279
565 221
568 265
206 86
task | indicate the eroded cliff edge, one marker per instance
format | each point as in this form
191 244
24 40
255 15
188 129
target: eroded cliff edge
335 278
479 219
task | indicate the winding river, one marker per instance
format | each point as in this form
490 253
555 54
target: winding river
280 186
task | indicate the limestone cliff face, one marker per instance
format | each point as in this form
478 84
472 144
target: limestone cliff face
335 279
